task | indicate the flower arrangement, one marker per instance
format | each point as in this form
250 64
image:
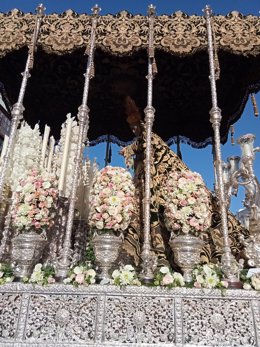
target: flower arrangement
112 198
208 276
126 275
250 281
188 208
41 275
81 275
6 273
167 278
34 201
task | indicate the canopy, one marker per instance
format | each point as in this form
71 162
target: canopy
181 88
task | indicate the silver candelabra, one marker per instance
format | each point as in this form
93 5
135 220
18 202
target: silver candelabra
239 171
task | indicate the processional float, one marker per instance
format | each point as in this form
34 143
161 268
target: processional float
134 316
64 261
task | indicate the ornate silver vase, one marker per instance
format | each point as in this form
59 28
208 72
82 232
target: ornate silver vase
106 248
186 250
27 249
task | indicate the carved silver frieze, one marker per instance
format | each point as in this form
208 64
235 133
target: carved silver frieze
131 319
218 322
60 318
105 316
9 314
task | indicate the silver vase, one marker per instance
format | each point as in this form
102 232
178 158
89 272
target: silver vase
186 250
106 249
27 250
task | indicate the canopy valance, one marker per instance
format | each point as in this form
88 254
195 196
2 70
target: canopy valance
181 88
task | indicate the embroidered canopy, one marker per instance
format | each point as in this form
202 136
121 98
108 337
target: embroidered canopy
181 88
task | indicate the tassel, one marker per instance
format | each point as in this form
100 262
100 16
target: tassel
256 112
151 52
154 67
232 131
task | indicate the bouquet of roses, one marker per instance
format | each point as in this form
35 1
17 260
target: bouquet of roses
126 275
111 199
208 276
188 207
34 201
167 278
82 274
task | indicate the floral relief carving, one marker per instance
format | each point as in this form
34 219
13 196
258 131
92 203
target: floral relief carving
218 322
9 315
123 33
139 320
61 318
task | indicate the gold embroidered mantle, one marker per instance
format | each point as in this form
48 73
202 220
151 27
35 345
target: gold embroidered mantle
121 34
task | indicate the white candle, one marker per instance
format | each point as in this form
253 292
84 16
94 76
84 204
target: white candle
45 143
4 148
50 155
65 153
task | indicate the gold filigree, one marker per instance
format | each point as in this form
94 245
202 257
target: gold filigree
180 33
239 33
66 32
16 30
123 33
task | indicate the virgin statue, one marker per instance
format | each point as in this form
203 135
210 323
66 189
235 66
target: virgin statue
165 160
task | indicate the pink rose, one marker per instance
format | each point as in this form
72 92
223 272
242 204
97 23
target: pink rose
197 285
167 279
79 278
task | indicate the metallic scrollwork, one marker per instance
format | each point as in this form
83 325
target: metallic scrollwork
61 318
122 33
227 323
9 315
139 320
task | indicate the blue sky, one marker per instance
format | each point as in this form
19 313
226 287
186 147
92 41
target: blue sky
199 160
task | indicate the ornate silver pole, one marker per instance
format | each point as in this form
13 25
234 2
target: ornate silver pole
18 108
229 265
148 258
83 117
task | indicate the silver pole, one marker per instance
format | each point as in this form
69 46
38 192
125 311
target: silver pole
228 262
18 108
83 117
148 258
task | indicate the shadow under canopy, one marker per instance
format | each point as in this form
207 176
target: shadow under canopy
181 94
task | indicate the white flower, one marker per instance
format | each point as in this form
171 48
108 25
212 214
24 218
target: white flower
9 279
126 277
38 267
164 270
1 274
255 280
247 286
78 270
115 274
67 280
211 281
128 268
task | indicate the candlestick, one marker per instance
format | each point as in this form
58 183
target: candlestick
45 143
65 153
50 156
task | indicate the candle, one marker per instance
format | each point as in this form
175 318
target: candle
45 143
234 164
4 148
246 143
225 173
50 155
65 153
